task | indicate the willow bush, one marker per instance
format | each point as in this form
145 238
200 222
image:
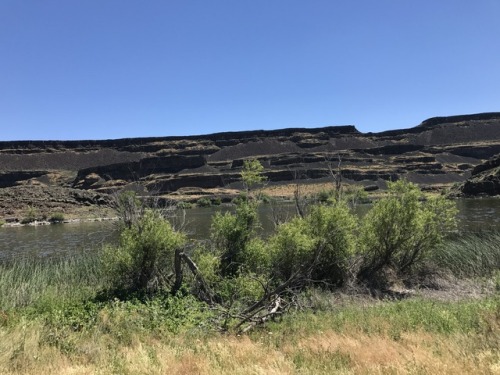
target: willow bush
145 255
402 230
322 241
327 247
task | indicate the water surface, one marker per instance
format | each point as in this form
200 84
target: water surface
71 239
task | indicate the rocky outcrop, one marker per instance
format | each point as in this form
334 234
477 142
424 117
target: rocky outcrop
485 179
13 178
47 200
134 171
438 152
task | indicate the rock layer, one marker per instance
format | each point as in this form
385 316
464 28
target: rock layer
485 179
440 151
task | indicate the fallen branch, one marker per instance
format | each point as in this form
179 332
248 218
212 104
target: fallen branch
208 297
273 311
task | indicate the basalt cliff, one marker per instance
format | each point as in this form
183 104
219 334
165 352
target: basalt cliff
59 175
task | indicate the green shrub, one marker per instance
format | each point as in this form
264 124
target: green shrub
401 230
243 289
324 195
334 228
145 255
58 217
217 201
203 202
184 205
356 195
256 256
209 265
31 216
292 248
241 198
2 222
324 241
230 234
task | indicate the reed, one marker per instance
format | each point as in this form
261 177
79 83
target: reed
31 282
470 255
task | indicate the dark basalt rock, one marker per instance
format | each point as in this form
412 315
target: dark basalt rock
485 179
135 170
433 121
439 151
8 179
397 149
490 164
487 186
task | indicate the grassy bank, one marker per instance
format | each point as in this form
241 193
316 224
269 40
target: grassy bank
326 293
53 322
158 337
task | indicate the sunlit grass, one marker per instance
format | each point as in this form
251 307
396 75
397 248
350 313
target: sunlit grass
470 254
28 282
52 323
390 337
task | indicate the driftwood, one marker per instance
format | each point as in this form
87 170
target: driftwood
179 275
180 256
274 310
272 303
253 314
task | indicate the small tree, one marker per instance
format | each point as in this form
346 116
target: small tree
402 229
252 173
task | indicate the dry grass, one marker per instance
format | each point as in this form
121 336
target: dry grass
287 190
322 353
304 345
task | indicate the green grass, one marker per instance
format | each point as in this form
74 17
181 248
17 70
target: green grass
28 282
394 318
470 255
49 315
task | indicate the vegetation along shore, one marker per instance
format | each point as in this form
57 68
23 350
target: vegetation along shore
399 290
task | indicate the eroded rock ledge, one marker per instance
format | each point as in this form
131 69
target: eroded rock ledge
439 152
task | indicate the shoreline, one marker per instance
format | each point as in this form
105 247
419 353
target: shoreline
38 223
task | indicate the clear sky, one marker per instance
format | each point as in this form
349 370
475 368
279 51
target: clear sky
96 69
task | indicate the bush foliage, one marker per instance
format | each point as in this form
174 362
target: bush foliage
231 233
245 274
402 230
328 245
145 256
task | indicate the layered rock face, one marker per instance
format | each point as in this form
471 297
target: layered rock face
485 179
440 151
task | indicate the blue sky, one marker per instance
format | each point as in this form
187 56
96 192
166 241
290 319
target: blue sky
98 69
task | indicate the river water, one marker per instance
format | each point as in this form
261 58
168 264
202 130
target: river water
70 239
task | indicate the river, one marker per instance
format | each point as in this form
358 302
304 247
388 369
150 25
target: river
70 239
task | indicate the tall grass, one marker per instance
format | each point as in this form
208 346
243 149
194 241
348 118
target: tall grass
28 282
421 337
470 255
